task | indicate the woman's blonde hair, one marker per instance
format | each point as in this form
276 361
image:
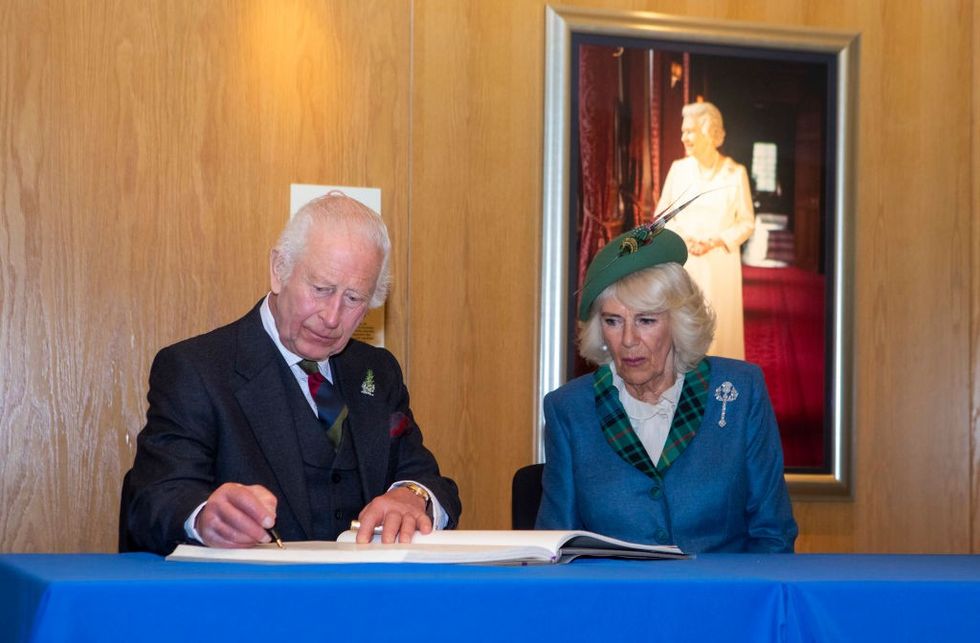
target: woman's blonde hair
663 288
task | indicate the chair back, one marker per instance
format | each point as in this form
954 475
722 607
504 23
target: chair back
526 496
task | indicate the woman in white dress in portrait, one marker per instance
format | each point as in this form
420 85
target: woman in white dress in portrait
716 224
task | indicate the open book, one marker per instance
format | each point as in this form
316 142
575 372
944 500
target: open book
450 546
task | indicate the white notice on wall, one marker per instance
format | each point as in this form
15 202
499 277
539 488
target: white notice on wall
372 329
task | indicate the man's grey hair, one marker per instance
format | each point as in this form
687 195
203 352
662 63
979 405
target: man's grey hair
336 209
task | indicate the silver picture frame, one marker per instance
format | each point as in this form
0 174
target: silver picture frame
562 24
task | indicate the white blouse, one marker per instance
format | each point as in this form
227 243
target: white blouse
650 421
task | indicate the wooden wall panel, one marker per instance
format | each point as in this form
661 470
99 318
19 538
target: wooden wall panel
911 284
146 151
476 174
975 293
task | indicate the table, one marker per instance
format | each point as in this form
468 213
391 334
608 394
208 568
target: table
719 597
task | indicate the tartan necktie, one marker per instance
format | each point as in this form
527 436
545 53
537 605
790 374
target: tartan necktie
329 404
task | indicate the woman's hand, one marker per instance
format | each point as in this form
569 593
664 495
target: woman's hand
698 248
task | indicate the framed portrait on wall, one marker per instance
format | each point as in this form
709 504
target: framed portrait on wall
772 178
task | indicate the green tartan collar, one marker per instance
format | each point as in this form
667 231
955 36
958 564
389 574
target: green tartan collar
616 425
619 432
687 416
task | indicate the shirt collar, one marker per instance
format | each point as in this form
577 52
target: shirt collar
668 399
269 324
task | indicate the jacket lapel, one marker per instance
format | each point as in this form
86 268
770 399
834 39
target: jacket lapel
616 425
367 420
619 432
264 399
687 416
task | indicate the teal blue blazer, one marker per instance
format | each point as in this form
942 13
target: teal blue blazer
724 493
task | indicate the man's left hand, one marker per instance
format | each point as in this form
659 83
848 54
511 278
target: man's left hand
400 512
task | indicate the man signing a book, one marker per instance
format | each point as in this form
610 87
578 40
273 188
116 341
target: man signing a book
280 422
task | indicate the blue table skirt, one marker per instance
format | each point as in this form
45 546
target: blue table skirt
141 597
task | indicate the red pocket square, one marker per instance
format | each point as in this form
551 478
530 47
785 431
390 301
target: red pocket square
399 424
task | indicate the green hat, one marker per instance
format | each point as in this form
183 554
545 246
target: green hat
630 252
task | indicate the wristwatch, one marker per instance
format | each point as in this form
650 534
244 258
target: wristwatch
420 491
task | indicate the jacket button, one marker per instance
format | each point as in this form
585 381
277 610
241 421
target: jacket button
661 536
336 477
656 491
338 514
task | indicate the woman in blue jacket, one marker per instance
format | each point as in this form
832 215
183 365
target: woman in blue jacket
661 444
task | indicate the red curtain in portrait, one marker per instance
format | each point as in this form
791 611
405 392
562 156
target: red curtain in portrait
629 123
598 101
639 197
620 136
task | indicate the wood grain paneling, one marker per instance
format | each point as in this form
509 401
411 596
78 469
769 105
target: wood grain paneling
146 152
912 294
975 294
476 168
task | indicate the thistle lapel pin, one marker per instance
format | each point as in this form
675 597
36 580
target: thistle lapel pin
725 393
367 386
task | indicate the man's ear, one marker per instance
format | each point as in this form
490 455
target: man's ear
277 263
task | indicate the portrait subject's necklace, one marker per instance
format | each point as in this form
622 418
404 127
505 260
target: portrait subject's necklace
709 175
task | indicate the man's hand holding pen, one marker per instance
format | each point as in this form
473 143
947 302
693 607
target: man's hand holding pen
237 516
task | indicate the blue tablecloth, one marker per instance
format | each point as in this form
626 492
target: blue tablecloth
141 597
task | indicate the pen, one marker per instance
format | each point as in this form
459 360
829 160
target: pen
355 525
275 537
